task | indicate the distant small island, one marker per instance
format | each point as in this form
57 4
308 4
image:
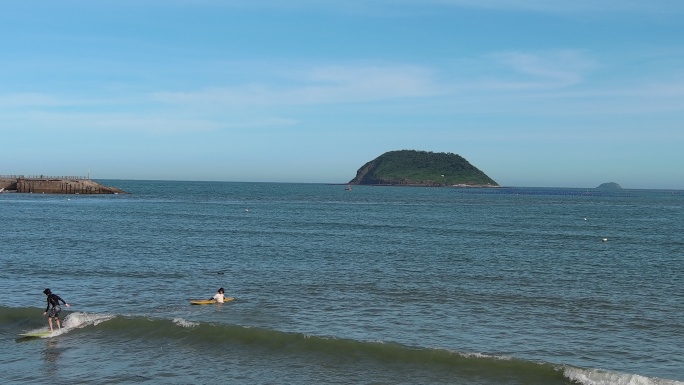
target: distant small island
421 168
610 186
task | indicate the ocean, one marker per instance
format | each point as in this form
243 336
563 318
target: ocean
377 285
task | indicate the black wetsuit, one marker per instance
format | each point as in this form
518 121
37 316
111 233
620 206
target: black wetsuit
53 299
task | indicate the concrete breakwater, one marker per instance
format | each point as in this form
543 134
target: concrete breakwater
54 185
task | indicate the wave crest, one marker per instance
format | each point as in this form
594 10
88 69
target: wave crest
185 323
604 377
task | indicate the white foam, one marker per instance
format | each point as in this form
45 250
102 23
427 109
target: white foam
184 323
482 355
477 355
79 320
73 321
604 377
57 332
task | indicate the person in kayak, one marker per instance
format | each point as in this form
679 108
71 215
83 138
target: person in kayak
53 300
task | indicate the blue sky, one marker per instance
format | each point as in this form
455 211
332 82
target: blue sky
532 92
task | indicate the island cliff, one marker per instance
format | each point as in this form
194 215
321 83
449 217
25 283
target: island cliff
421 168
54 185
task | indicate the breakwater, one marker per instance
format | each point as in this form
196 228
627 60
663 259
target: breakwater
54 185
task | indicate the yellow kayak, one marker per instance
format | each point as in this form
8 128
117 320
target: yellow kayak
210 301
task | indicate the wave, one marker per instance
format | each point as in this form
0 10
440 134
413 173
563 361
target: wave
604 377
73 321
468 365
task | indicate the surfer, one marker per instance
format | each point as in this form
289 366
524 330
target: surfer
53 300
218 296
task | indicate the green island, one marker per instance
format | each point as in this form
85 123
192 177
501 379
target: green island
421 168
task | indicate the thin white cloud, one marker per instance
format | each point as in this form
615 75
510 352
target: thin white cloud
495 81
35 99
660 90
322 85
527 70
107 122
261 123
14 101
147 123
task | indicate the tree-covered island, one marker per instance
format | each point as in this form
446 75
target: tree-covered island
421 168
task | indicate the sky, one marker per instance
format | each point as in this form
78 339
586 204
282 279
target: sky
537 93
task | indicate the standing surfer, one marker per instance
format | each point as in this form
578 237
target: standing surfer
53 300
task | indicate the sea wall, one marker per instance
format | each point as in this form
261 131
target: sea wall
54 185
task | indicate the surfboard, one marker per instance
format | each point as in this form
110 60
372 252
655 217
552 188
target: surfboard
210 301
36 334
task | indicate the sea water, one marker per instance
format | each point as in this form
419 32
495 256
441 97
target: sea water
376 285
